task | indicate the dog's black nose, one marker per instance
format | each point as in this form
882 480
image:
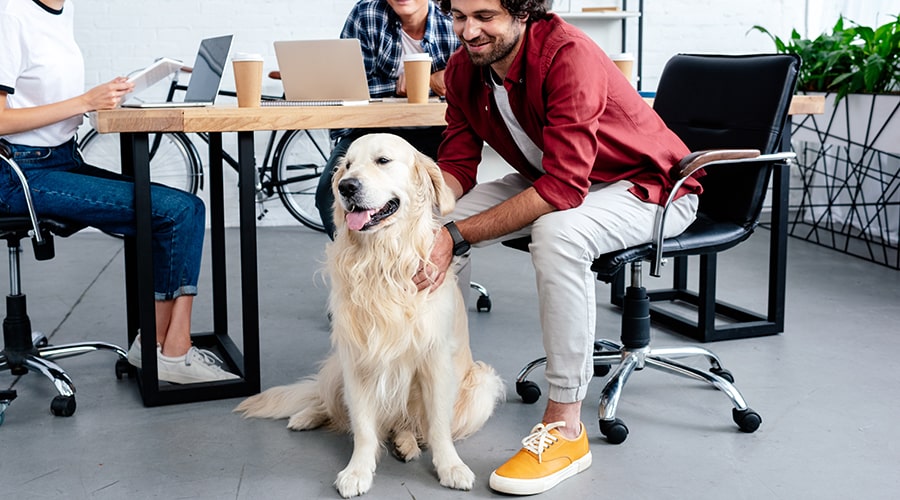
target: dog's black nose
349 187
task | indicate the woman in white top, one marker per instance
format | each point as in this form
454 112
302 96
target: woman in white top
42 103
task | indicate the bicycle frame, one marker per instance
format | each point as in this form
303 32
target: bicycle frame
264 177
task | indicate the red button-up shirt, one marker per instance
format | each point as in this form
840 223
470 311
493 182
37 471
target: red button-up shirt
575 105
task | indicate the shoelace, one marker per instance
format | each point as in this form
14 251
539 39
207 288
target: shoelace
205 357
540 438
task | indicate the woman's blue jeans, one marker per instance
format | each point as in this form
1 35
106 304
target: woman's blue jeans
64 187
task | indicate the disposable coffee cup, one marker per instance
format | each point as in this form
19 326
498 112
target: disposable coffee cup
248 70
417 68
625 63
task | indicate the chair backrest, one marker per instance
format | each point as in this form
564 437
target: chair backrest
729 102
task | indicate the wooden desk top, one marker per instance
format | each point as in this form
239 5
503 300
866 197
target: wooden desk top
230 118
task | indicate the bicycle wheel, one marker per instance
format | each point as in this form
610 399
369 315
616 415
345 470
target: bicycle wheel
299 160
174 160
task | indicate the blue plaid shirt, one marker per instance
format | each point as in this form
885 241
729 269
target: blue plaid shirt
377 27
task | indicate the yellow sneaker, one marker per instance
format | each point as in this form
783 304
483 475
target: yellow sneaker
545 460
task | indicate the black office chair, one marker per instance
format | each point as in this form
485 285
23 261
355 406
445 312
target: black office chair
24 350
712 103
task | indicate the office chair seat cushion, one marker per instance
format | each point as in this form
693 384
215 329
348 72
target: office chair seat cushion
11 223
704 235
61 227
20 225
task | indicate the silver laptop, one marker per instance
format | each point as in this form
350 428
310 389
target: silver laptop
321 72
206 76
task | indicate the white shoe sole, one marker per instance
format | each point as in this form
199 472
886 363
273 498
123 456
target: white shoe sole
512 486
178 377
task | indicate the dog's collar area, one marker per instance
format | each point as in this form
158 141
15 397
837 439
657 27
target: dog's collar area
363 219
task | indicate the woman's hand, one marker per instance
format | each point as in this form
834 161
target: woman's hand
107 95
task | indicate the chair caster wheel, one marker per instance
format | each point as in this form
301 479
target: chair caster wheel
747 419
39 340
483 304
63 406
123 368
722 373
6 397
614 430
529 391
601 370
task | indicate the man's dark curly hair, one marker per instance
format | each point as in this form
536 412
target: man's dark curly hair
523 9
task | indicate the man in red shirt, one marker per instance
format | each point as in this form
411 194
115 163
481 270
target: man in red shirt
592 165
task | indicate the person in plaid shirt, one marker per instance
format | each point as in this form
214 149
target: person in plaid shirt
388 30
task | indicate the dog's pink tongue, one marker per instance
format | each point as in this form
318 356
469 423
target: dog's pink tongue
356 220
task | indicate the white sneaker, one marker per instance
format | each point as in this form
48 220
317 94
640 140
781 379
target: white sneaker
198 365
134 352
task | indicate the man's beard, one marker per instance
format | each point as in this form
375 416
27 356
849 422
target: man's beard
497 53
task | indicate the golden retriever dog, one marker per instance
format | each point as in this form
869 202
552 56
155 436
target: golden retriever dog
400 367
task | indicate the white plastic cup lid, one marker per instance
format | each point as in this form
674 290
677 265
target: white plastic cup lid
624 56
421 56
246 56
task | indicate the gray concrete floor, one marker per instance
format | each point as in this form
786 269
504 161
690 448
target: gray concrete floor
826 389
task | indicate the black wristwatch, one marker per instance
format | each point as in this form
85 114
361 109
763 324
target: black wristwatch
460 245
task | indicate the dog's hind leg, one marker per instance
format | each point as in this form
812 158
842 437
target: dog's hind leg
406 446
480 390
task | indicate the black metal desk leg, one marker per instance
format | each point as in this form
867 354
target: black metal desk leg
140 303
249 274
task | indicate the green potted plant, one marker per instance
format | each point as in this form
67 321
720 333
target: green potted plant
846 192
851 59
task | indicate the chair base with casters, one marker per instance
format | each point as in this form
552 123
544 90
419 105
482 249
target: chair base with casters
26 351
484 298
634 353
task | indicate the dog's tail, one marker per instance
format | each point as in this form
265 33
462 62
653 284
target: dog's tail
310 403
283 401
479 393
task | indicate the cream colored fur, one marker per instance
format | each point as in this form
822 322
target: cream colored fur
400 367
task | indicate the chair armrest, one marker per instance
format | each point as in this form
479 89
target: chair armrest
6 158
699 159
692 164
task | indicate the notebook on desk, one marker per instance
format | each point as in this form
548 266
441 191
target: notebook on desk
206 77
321 73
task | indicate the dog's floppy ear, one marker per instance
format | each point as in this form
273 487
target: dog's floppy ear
337 174
444 200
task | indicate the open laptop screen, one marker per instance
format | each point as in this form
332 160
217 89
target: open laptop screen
208 69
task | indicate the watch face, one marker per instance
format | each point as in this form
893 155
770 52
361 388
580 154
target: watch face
461 248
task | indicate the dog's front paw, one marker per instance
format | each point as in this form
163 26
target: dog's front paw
459 477
351 483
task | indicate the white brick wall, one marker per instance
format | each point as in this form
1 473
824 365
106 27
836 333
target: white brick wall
120 36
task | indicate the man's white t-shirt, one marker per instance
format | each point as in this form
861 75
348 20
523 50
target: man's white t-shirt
40 63
408 45
529 149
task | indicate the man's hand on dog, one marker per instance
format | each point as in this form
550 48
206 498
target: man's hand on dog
431 274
